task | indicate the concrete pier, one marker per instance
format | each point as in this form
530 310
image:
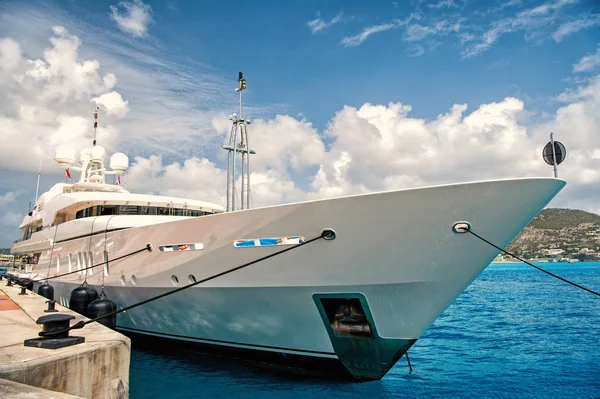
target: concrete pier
97 368
15 390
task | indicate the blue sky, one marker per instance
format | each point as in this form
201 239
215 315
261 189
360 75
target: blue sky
297 71
316 71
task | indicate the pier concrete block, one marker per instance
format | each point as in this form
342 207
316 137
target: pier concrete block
97 368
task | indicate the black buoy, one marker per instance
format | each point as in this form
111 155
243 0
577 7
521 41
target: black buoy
101 307
46 290
81 297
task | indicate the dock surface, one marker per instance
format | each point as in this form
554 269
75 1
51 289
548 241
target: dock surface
97 368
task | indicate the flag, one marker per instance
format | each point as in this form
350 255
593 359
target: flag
68 173
119 180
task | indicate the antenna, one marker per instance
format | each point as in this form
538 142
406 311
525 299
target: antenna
37 187
244 149
95 123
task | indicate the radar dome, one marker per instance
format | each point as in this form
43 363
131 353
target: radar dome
119 163
97 153
64 156
85 155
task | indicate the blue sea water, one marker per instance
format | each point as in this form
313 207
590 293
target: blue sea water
514 333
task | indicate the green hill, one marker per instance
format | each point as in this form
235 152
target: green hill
557 233
559 218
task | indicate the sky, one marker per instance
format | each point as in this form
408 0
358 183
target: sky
344 96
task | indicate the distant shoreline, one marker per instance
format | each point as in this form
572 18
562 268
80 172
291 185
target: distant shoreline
542 263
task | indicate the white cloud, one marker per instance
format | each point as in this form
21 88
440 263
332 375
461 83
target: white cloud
193 178
588 62
418 32
281 143
571 27
368 31
132 17
532 21
11 219
113 103
504 5
10 55
416 51
316 25
202 180
378 147
8 197
443 4
162 93
43 100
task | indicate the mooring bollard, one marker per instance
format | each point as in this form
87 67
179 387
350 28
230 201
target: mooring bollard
54 323
51 304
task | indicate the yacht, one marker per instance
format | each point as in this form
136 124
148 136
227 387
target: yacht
352 303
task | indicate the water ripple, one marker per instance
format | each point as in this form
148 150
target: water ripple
514 333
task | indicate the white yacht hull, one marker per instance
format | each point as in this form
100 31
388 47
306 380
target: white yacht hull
394 251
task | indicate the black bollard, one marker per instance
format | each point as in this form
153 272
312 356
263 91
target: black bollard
51 304
54 323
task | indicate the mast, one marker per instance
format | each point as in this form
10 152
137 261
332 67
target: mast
95 124
37 186
243 148
553 155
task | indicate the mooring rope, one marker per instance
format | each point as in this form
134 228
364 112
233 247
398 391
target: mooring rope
467 229
148 247
326 234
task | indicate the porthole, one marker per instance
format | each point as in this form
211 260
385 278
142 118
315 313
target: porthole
133 279
123 280
192 278
174 280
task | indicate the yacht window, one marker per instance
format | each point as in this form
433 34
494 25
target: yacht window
135 210
128 210
92 211
147 210
108 210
